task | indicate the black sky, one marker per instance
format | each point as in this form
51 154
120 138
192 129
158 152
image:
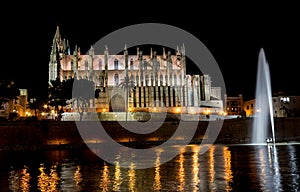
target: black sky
233 34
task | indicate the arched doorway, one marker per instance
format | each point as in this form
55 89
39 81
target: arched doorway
117 103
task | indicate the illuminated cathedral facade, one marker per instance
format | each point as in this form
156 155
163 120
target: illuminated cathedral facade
155 82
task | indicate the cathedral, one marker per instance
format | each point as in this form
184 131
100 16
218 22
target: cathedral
154 83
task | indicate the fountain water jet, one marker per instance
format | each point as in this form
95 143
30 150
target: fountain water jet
263 118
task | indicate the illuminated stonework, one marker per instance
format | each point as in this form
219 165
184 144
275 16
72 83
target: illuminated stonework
159 82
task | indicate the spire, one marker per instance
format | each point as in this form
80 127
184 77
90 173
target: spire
106 65
164 54
75 50
57 36
64 44
106 50
78 50
91 61
138 52
183 49
68 48
151 54
91 51
178 52
126 58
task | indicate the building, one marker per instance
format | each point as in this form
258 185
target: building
284 105
22 102
159 82
234 105
15 108
249 107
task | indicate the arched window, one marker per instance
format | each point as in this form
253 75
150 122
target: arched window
116 77
116 64
100 80
166 80
131 64
100 64
86 65
161 79
145 65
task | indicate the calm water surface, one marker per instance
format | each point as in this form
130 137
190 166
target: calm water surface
221 168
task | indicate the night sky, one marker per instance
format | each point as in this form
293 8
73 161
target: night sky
233 35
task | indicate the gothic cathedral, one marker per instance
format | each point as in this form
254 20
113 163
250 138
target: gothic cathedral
155 82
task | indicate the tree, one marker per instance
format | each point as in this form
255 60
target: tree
127 84
8 91
83 92
80 92
35 105
57 93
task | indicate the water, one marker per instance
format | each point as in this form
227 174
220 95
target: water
221 168
263 119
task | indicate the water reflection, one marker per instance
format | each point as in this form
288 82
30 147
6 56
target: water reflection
157 184
181 173
268 168
195 170
117 176
131 175
221 168
212 184
294 171
19 180
104 182
48 179
228 175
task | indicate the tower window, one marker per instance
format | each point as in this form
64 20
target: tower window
116 78
86 65
100 64
131 64
116 64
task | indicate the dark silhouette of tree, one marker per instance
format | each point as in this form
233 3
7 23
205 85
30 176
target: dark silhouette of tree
36 105
60 92
80 92
127 84
97 93
57 94
8 91
67 88
83 92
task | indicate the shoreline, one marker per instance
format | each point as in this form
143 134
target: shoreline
55 135
136 145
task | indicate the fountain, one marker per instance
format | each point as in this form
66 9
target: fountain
263 118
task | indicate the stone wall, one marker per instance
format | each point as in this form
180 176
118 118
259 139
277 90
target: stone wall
49 133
